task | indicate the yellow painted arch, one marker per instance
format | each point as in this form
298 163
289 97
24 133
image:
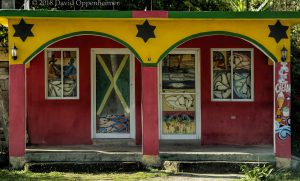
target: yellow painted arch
212 33
74 34
169 34
186 39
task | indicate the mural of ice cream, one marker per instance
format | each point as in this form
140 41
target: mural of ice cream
280 100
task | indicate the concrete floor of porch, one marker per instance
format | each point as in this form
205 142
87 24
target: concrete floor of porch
127 151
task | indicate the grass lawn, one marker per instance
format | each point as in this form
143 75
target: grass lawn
285 175
13 175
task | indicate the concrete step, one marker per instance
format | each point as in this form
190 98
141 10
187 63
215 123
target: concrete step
86 167
81 156
113 142
217 156
209 166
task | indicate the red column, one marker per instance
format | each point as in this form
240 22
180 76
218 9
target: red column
149 99
138 103
282 123
150 111
16 113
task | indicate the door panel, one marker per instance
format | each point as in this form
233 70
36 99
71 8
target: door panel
178 96
113 95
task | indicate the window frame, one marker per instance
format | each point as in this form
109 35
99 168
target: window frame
46 73
231 73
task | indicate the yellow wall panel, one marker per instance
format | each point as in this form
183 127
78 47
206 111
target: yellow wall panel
168 33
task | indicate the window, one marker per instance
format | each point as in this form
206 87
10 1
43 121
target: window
61 67
232 74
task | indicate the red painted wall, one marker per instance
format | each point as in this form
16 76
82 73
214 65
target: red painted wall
254 120
54 122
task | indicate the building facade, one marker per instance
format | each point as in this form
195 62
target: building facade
219 78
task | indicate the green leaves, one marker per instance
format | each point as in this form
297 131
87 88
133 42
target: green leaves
257 173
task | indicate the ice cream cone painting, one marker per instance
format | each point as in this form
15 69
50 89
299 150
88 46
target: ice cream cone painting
280 100
278 115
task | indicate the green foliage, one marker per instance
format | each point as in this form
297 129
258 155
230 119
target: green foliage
257 173
284 5
252 174
283 174
3 36
249 5
295 82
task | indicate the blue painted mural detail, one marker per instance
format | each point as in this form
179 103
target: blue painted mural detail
114 124
283 130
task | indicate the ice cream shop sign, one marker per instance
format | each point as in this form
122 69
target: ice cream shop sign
150 76
283 85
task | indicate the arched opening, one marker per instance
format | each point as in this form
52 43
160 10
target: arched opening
225 119
74 118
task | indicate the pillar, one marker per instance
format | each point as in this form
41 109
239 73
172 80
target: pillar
149 102
282 123
150 116
138 104
17 115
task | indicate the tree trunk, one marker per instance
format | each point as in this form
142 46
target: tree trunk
4 116
27 4
4 94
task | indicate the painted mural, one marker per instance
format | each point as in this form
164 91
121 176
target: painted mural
283 98
221 75
241 74
178 122
231 74
178 72
62 74
112 93
180 100
178 94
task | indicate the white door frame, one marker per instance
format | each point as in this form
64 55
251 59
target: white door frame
94 52
196 52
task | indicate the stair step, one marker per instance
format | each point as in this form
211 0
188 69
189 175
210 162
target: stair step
209 166
115 142
87 167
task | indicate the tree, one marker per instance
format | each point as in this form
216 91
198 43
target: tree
249 5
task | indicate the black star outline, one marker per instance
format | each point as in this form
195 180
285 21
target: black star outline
145 31
278 31
23 30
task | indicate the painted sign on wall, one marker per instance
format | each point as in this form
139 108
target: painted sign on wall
283 101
